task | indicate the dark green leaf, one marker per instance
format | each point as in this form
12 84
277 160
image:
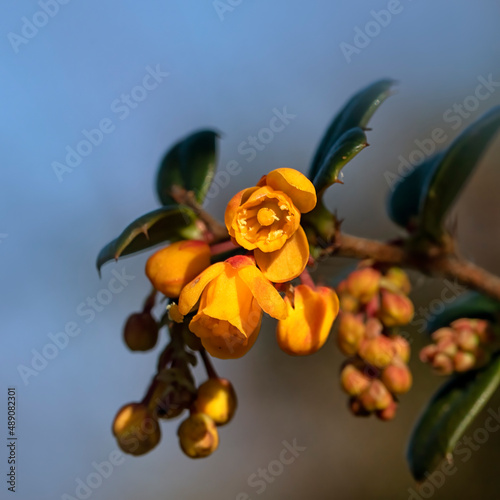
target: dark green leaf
469 305
450 411
452 172
404 201
165 224
344 150
190 164
356 113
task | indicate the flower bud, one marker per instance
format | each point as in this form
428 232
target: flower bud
395 309
309 321
136 429
348 303
353 381
376 397
399 279
467 340
448 347
388 413
443 334
217 399
173 267
363 284
397 378
442 364
140 332
357 408
373 328
378 352
351 332
401 348
464 361
428 353
198 436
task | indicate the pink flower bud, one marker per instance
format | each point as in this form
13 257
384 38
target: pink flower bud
395 309
464 361
397 378
376 397
401 347
378 352
388 413
399 278
353 381
363 284
442 364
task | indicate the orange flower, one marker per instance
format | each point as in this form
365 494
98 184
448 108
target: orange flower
309 321
232 296
266 219
172 267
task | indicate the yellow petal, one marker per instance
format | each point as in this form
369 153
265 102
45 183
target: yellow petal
288 262
294 184
233 205
264 292
191 292
309 321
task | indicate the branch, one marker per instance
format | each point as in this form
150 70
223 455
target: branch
447 265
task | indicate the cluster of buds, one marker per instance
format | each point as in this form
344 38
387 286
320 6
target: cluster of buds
373 304
460 347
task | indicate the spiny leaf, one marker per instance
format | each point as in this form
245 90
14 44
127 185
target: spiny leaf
356 113
190 164
453 171
343 151
451 410
169 223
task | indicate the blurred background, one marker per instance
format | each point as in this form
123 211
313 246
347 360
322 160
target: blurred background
227 65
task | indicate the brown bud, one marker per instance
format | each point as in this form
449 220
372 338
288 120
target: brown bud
378 352
401 347
397 378
363 284
357 408
399 279
216 398
376 397
140 332
198 436
136 429
395 309
464 361
353 381
350 333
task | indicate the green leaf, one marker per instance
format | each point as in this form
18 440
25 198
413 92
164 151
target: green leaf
343 151
190 164
450 411
356 113
170 223
404 201
453 171
469 305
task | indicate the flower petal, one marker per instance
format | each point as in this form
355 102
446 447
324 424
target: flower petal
233 205
294 184
191 292
264 292
288 262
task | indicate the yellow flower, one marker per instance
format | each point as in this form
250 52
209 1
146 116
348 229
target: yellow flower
266 219
232 296
170 268
309 321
